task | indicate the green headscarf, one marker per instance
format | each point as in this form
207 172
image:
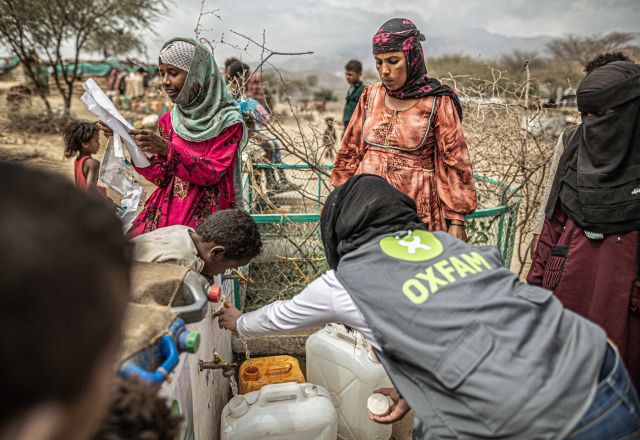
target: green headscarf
204 106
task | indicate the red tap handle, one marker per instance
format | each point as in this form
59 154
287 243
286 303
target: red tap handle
214 293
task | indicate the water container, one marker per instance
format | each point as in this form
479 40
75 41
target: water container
258 372
344 364
284 411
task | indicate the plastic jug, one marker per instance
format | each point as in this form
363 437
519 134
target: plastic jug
262 371
284 411
346 366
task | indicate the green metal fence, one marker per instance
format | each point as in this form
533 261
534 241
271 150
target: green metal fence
289 223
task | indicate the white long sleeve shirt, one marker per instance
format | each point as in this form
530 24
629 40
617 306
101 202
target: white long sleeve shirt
323 301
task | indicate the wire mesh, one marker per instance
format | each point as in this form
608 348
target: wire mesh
288 218
285 189
494 221
292 256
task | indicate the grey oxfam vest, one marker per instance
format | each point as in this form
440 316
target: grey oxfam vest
474 352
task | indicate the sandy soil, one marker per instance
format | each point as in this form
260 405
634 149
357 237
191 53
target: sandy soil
43 151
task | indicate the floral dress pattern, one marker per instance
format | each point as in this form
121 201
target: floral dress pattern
421 151
194 179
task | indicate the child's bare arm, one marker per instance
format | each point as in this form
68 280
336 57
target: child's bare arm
91 170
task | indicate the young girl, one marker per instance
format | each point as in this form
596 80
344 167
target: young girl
194 155
82 138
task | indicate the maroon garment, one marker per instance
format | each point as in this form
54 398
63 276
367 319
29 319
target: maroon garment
592 278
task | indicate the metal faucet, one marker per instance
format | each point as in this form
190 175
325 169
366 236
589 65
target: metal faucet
217 312
236 275
228 368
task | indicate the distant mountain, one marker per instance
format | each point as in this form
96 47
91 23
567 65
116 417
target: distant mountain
473 42
478 42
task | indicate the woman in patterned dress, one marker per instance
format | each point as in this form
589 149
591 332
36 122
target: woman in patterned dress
407 129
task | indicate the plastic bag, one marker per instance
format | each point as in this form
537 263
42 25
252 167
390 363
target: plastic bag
117 173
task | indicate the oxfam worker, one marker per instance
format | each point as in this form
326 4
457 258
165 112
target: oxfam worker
473 351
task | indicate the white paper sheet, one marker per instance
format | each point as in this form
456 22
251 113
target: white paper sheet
100 105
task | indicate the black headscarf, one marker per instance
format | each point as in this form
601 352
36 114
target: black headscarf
400 34
598 178
364 207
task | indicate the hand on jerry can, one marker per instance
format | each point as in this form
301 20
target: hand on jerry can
228 317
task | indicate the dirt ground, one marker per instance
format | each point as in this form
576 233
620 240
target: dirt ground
44 151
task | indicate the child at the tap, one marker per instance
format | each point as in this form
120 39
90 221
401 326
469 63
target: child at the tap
225 240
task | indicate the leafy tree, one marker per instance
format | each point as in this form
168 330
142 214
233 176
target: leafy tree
580 50
109 42
44 27
324 94
569 55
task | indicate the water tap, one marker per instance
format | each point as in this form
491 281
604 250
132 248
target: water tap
236 275
217 312
228 368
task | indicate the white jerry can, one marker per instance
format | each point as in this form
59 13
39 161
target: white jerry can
283 411
346 366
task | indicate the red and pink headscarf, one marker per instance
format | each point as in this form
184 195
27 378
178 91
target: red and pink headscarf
400 34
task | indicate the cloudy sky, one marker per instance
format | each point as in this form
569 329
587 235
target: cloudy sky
330 27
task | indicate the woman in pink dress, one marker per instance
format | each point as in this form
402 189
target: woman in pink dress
196 152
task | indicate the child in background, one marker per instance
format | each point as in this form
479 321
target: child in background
352 73
227 239
256 119
137 412
329 139
82 139
238 78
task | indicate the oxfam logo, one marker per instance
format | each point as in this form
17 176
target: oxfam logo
418 246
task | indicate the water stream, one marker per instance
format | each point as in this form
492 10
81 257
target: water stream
247 354
234 386
232 380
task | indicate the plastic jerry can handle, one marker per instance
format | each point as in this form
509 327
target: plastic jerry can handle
279 369
197 309
279 392
349 337
280 397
